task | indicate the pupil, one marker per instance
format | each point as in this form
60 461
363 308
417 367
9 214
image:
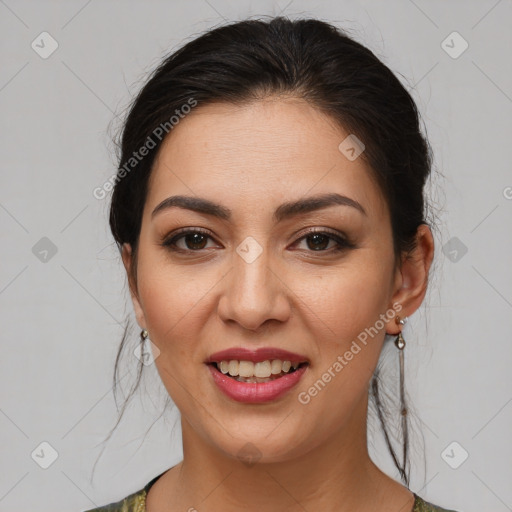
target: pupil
196 239
316 238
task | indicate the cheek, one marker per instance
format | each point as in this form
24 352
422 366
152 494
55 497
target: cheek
347 330
344 323
348 300
177 303
168 301
174 314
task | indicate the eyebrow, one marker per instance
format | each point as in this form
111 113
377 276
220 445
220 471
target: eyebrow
284 211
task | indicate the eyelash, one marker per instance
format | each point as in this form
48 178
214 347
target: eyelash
343 243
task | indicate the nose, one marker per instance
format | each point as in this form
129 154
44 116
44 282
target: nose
254 293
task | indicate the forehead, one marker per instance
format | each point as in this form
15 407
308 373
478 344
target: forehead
261 152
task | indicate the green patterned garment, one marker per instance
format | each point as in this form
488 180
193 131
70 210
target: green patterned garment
136 502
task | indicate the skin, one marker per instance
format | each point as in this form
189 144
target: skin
315 302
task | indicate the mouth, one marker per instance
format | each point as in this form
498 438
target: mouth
256 376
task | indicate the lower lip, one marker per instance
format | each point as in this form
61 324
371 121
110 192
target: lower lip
256 392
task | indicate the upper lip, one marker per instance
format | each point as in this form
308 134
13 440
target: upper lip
256 356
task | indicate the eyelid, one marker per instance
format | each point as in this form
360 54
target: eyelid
323 231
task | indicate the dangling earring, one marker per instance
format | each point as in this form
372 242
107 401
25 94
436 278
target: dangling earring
400 345
143 348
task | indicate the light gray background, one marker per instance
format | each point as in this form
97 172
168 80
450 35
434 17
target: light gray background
62 319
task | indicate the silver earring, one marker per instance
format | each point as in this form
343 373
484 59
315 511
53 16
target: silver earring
143 335
400 345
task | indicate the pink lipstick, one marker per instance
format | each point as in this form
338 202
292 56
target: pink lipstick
271 388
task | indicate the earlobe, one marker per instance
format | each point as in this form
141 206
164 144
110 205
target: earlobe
126 255
412 278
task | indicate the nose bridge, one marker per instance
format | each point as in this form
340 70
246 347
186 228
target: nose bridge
254 294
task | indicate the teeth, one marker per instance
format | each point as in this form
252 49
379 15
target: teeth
245 368
233 368
276 366
263 369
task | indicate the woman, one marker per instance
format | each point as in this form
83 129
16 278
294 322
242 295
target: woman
270 214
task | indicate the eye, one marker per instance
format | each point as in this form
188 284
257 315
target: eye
319 240
194 240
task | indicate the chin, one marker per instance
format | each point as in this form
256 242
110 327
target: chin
252 445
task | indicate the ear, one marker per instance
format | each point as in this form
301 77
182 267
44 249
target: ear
411 279
126 255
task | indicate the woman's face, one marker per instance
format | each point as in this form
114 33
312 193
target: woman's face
255 277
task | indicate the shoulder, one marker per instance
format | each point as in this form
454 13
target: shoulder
133 503
420 505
